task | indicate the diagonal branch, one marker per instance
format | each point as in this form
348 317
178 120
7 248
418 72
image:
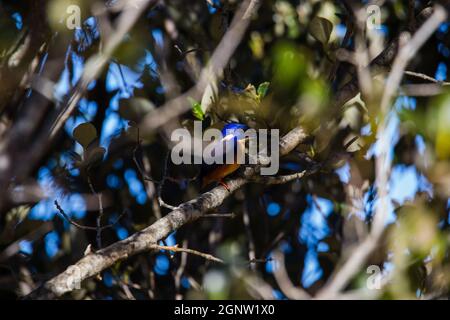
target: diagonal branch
144 240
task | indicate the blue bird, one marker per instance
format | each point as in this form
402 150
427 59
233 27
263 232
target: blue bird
217 172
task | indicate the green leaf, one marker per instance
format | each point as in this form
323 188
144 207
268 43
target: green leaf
321 29
85 133
197 110
442 139
262 89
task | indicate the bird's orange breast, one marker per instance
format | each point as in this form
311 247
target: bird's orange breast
220 173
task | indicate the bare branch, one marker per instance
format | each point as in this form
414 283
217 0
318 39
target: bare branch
180 271
248 231
220 215
176 248
425 77
83 227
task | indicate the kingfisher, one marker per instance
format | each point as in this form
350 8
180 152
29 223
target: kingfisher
209 173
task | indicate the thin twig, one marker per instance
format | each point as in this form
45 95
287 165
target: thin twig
74 223
180 271
256 260
175 248
422 90
146 177
161 202
426 77
220 215
141 170
248 231
100 213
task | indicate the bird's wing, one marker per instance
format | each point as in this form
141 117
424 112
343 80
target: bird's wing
228 145
220 149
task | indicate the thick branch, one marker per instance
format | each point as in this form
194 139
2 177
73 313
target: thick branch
145 240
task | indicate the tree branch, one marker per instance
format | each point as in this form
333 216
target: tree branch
146 239
176 248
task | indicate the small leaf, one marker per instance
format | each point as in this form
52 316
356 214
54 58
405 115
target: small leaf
250 92
321 29
197 110
85 133
262 89
442 138
93 156
135 108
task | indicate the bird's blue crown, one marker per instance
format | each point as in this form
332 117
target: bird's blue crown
234 129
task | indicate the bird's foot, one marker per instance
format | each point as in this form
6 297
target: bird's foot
223 184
